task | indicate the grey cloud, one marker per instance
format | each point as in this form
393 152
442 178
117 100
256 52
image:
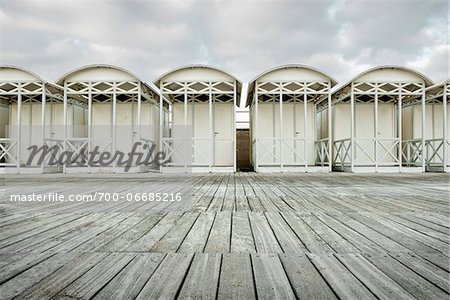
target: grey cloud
245 37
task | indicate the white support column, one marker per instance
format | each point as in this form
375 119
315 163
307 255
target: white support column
400 133
89 129
185 133
352 128
305 130
375 154
234 125
330 133
256 127
211 131
114 129
161 121
281 132
294 117
424 154
445 133
139 117
433 119
64 122
314 129
43 100
274 132
19 127
30 121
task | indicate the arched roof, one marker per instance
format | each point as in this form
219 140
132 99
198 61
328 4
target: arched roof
15 73
307 71
397 72
290 72
102 72
189 72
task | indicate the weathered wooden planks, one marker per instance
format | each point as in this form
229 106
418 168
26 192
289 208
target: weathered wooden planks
240 236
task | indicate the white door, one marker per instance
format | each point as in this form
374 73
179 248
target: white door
223 134
386 148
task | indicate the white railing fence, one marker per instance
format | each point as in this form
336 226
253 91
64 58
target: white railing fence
412 152
283 151
56 148
322 152
376 151
79 147
342 152
8 152
434 152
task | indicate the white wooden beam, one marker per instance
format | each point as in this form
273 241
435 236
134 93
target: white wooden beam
234 125
64 122
445 131
423 129
19 129
256 130
400 133
43 100
212 138
352 128
305 130
376 129
330 133
281 132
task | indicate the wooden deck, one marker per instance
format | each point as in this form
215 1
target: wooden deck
239 236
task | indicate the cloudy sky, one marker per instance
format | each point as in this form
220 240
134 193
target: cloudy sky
342 38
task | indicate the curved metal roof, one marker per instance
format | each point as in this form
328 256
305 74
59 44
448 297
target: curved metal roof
194 66
426 79
293 66
93 66
286 66
40 78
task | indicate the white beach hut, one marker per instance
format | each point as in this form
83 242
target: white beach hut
117 110
437 143
290 119
30 115
197 118
377 121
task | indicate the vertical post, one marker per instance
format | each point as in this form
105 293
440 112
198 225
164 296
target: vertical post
352 128
256 126
234 124
400 129
211 131
139 107
64 122
424 154
89 123
281 131
274 132
314 130
43 100
305 130
186 132
433 120
30 122
161 121
375 155
330 140
19 127
294 116
114 112
445 133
